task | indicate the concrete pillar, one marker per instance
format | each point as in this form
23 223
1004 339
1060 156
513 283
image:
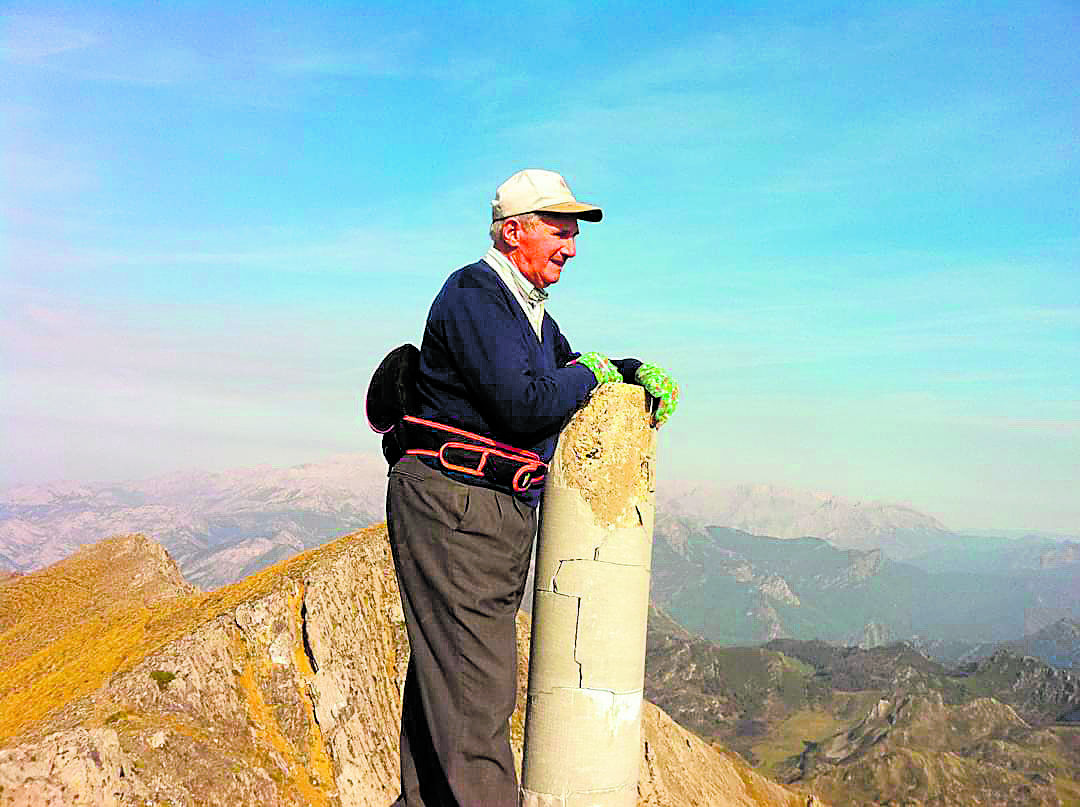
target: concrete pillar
591 603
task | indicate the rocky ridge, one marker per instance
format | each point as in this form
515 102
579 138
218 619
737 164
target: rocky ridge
914 749
1057 643
885 725
84 589
1039 692
283 689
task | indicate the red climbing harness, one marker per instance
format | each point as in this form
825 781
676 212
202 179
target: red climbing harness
390 397
503 466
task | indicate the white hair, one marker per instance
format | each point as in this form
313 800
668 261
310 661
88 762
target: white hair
527 220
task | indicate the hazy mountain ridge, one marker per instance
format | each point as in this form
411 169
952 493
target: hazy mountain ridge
283 689
219 527
222 527
996 555
255 516
736 588
780 512
1058 644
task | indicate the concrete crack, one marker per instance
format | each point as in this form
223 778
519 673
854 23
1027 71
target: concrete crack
555 576
593 559
577 633
557 594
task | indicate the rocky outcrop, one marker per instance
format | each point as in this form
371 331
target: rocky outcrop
280 690
915 749
283 689
874 634
777 588
1039 692
861 566
924 722
672 758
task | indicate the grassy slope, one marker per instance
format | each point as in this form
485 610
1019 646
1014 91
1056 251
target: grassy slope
67 642
788 738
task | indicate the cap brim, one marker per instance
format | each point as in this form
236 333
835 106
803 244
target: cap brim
576 209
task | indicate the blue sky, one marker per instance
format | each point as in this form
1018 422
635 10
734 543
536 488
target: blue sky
851 231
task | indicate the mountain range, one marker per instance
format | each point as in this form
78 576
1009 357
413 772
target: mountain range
881 726
110 654
733 587
899 530
714 567
222 526
120 685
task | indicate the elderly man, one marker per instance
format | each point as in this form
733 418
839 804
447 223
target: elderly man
496 382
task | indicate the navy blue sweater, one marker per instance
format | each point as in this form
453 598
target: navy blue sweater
483 369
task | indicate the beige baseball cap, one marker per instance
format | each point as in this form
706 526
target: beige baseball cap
537 191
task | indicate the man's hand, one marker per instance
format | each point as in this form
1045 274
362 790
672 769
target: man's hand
601 367
661 386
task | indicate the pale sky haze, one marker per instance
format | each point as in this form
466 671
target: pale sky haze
852 231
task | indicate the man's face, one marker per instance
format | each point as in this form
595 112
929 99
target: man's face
543 249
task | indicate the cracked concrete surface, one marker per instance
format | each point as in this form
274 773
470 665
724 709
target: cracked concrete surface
586 675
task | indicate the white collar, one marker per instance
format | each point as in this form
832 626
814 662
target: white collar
530 298
531 294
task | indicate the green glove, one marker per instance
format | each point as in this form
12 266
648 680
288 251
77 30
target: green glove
661 386
601 367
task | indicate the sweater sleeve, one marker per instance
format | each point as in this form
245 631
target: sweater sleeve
492 358
563 353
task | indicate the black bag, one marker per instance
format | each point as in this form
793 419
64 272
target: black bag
391 395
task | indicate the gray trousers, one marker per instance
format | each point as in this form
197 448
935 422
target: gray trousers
462 555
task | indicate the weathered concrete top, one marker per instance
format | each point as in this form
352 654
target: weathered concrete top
607 452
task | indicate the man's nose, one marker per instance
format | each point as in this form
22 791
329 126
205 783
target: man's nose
569 248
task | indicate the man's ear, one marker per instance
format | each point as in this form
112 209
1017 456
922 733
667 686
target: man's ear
511 232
